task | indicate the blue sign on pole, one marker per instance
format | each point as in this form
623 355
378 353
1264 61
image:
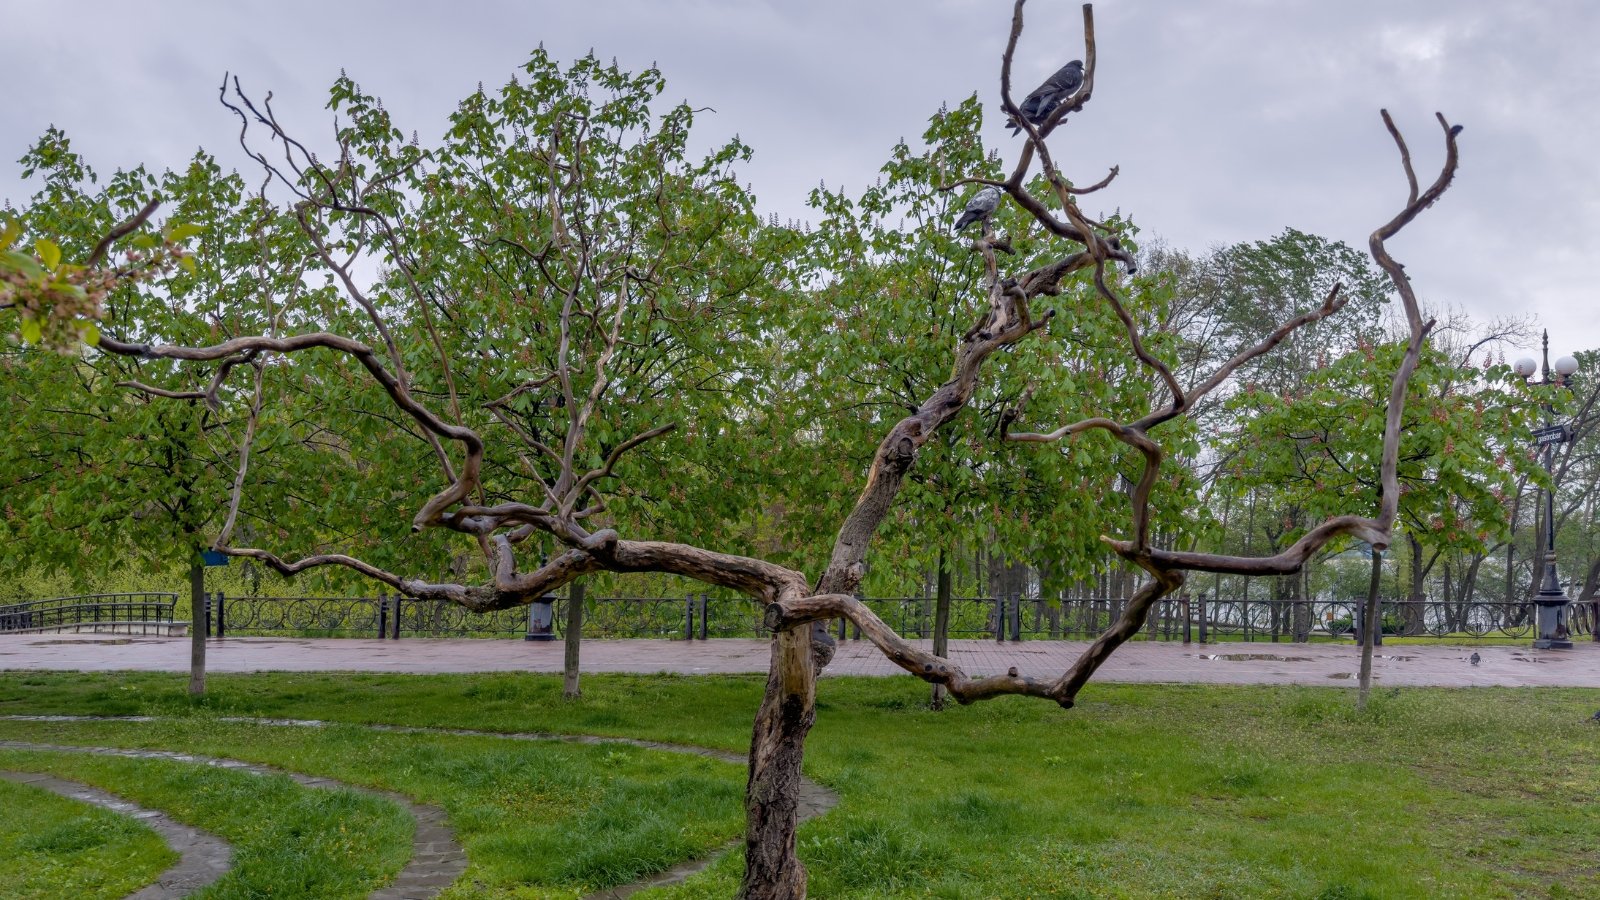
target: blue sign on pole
214 558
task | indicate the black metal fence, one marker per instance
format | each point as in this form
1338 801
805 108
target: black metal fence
701 617
1016 618
89 612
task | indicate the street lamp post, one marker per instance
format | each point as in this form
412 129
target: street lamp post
1552 607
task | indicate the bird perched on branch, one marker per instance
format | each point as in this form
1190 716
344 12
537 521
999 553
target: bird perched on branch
979 208
1038 106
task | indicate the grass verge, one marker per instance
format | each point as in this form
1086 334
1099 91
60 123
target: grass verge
1141 791
544 819
288 840
62 849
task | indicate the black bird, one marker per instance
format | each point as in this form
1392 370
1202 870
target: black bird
1596 717
1038 106
979 208
1475 658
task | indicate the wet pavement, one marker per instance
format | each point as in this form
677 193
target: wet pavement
1231 663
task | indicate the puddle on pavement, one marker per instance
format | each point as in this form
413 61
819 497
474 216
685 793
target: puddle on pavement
1396 658
87 641
1534 659
1254 657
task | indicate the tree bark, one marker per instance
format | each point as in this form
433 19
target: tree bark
1411 617
1371 624
941 625
197 627
772 871
572 637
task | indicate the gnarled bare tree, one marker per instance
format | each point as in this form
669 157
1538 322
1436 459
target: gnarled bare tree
601 264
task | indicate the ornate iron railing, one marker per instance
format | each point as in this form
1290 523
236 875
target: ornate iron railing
89 611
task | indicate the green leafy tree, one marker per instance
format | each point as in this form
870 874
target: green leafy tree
101 472
1314 451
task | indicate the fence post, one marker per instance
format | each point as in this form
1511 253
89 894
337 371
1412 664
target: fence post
856 629
1053 614
222 619
1016 617
1000 618
383 615
705 616
1188 635
688 618
1202 618
395 610
206 603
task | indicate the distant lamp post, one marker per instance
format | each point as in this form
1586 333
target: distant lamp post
1552 607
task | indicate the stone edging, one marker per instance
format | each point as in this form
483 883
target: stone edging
202 856
814 798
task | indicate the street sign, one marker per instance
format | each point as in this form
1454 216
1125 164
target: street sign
1552 434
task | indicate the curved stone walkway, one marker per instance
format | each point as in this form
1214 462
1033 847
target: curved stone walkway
436 858
814 798
202 856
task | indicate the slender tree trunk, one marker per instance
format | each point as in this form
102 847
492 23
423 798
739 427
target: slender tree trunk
772 871
197 627
941 625
1373 627
572 637
1411 618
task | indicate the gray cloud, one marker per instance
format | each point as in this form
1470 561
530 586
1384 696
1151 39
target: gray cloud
1230 120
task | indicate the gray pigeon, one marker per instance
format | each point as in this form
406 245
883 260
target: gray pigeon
979 208
1475 658
1038 106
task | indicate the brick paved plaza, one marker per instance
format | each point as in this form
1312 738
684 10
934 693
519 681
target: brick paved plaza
1232 663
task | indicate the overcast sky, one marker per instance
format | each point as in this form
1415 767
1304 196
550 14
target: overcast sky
1230 119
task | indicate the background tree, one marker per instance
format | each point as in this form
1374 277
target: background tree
98 476
1313 452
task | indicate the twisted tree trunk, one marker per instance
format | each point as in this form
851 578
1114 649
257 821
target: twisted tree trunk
772 871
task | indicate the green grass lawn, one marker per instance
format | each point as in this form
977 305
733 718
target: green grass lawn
549 818
61 849
1141 791
288 840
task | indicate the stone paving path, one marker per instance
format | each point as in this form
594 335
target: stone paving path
814 798
202 856
1139 661
436 858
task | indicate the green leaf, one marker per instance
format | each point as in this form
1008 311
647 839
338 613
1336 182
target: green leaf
30 330
49 253
21 262
187 262
181 232
10 232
